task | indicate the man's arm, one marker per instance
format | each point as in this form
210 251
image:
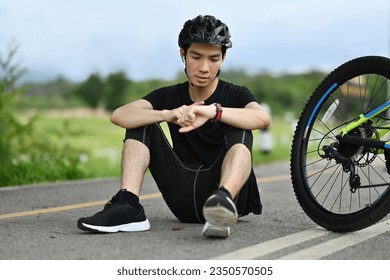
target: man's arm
140 113
253 116
136 114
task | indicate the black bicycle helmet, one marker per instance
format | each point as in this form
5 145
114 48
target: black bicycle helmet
204 29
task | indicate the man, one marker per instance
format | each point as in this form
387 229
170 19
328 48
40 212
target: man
206 176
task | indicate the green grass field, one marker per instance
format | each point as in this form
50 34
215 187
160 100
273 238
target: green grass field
100 142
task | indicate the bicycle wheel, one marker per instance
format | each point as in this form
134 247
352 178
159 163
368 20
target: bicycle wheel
323 186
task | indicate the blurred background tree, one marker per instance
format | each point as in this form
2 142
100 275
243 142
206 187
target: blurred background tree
117 85
91 91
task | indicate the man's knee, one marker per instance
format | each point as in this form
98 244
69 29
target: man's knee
239 136
141 134
240 148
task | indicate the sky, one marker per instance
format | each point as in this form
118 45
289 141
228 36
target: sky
75 38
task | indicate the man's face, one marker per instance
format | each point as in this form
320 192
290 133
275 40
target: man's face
203 62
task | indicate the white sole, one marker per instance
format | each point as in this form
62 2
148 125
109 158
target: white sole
131 227
220 215
210 230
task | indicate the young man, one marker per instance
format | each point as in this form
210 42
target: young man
206 176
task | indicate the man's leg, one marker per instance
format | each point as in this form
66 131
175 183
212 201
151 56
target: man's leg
124 212
147 147
219 209
236 168
177 180
135 161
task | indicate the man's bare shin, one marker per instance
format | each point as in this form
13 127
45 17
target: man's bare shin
135 161
236 168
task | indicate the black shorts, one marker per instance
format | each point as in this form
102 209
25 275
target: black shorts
185 187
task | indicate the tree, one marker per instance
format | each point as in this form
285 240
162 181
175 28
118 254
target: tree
91 91
116 87
10 71
9 74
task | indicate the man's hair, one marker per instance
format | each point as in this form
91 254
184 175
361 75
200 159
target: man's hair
205 29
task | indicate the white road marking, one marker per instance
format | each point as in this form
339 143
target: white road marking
329 247
271 246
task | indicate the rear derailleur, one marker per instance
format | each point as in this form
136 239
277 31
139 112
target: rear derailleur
331 152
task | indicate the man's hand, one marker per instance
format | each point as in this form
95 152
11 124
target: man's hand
190 117
195 116
175 115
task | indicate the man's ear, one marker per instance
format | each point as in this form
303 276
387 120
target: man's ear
183 55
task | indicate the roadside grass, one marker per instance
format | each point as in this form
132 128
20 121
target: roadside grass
100 142
97 140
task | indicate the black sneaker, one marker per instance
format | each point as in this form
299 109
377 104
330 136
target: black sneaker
220 212
122 213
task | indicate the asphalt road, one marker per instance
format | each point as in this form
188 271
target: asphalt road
39 223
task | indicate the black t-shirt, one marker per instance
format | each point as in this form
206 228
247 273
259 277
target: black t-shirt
202 145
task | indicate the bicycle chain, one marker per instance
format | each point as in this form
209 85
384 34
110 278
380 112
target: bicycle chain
373 186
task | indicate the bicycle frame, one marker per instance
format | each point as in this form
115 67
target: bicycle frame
367 142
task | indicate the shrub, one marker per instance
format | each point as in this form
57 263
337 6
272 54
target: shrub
26 156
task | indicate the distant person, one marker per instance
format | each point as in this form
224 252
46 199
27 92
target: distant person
266 139
207 175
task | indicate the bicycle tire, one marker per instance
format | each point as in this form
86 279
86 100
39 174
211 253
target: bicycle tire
359 86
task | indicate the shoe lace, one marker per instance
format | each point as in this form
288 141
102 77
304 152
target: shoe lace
112 201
